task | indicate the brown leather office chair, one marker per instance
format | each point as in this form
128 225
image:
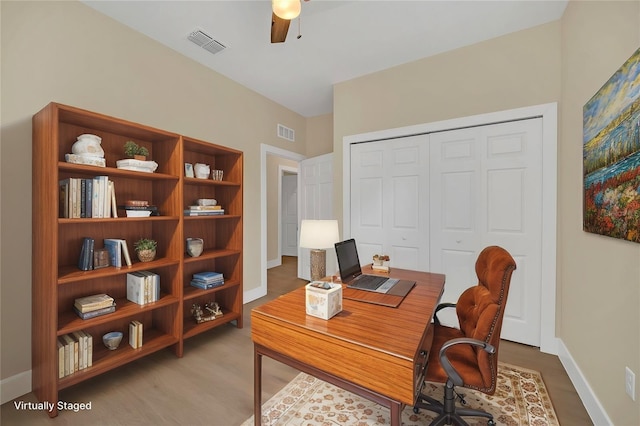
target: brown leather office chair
468 356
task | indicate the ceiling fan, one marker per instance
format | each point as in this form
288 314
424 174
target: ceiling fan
283 11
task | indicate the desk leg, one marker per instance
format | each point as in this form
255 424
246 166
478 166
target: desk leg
396 413
257 387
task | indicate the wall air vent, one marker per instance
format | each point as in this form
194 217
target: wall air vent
206 42
286 133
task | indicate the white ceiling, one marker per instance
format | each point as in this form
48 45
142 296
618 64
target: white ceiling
340 40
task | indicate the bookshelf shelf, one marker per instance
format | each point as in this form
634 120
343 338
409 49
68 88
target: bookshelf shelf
57 241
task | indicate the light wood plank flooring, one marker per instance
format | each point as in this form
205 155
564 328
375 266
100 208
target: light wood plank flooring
213 383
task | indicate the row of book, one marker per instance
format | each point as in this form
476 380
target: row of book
117 251
143 287
203 211
81 198
93 306
207 280
75 352
135 334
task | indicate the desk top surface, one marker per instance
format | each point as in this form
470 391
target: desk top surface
396 331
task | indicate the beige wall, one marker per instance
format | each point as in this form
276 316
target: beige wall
319 135
69 53
599 277
566 62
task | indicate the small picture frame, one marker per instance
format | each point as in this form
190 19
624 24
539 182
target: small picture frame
188 170
100 258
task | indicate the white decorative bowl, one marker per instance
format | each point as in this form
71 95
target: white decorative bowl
112 340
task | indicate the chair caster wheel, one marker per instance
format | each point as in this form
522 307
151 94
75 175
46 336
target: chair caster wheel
416 410
491 422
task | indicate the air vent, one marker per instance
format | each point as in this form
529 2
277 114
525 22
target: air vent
286 133
206 42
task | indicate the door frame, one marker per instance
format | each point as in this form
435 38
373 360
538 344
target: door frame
265 149
549 343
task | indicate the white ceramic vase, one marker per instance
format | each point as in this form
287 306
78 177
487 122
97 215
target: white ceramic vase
88 145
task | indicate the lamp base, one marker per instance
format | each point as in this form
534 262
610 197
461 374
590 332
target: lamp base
318 264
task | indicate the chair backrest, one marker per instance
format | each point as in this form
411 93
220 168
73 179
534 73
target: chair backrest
480 309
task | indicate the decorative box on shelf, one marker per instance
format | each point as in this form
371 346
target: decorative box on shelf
323 299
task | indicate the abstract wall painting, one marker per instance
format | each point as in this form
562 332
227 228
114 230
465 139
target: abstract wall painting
611 155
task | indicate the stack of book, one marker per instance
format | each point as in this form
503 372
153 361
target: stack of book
143 287
135 334
207 280
139 208
87 198
203 211
94 306
75 352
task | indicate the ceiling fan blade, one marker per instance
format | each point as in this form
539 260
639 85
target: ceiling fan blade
279 28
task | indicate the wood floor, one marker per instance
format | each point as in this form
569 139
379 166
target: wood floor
213 383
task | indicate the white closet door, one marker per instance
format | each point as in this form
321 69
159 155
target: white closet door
486 189
389 201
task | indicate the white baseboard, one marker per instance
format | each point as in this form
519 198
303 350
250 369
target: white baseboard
274 262
595 410
15 386
256 293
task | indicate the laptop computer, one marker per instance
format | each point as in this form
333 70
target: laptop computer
351 273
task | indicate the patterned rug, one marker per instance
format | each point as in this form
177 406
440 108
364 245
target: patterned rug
521 398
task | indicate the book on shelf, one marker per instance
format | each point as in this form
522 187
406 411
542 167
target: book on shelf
87 198
89 348
189 212
85 260
205 286
95 313
114 245
82 349
71 355
205 208
60 348
138 213
207 280
135 334
143 287
93 302
75 352
112 194
125 252
208 276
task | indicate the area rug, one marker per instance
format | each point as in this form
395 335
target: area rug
521 398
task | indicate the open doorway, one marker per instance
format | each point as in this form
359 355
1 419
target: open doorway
267 151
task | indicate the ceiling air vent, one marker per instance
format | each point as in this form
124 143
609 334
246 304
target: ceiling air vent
286 133
206 42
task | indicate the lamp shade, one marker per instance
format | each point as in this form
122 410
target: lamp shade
318 234
286 9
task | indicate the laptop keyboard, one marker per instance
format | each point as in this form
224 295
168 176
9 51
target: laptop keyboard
373 283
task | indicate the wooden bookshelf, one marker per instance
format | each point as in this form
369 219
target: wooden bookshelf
56 279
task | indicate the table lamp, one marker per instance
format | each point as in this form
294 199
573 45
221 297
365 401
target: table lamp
318 235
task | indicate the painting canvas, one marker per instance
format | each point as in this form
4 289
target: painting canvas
611 155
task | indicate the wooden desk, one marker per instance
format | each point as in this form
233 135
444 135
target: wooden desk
374 351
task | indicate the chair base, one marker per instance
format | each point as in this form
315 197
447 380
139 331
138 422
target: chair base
448 413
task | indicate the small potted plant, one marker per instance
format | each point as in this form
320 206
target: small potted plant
146 249
133 150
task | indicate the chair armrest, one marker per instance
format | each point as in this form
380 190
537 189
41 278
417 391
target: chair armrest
439 308
452 373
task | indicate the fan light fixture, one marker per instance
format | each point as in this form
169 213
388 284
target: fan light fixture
286 9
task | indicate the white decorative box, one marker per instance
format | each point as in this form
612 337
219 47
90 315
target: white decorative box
323 299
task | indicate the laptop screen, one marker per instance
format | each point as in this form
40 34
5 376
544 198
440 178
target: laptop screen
348 261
